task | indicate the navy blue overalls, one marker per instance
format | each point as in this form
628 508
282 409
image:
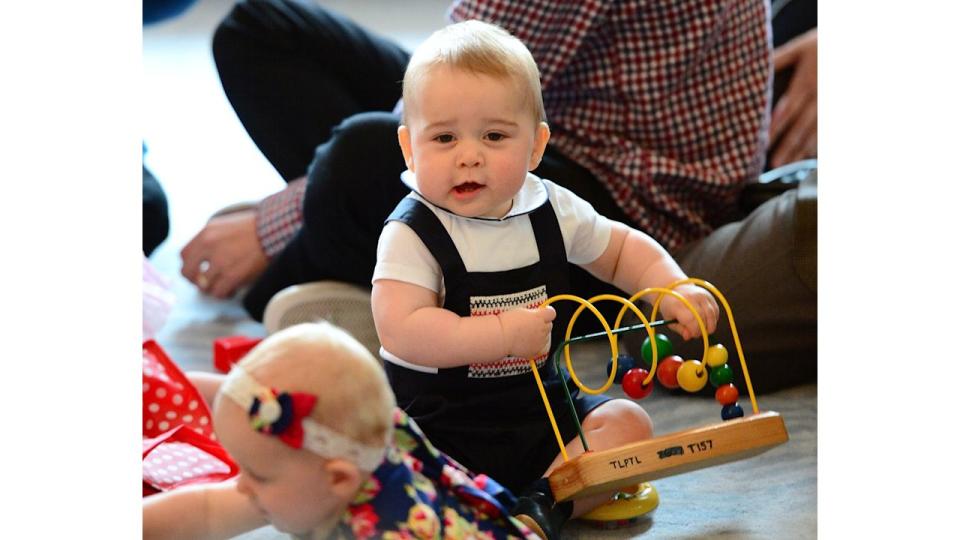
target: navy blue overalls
490 417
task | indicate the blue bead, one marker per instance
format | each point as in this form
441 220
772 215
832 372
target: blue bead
625 363
729 412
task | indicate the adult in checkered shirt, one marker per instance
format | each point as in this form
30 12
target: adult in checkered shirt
659 113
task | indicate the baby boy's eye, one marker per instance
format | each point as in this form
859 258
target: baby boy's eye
496 136
444 138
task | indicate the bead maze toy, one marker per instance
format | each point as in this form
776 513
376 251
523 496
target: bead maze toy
623 468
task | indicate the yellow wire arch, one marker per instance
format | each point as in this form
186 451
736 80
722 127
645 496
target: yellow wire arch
653 345
536 373
629 304
614 350
733 330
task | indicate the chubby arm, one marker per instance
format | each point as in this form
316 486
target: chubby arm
411 326
633 261
208 511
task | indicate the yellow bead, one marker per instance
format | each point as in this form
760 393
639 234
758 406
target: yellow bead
692 376
716 355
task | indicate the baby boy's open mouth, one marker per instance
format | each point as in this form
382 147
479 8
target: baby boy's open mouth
467 187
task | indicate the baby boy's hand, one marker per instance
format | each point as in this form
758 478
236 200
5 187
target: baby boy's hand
701 300
527 331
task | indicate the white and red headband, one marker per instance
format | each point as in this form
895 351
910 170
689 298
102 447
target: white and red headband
286 416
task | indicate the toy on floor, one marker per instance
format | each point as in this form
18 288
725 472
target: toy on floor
623 468
230 349
625 508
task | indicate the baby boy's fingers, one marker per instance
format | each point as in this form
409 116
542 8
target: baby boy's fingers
680 329
549 314
709 312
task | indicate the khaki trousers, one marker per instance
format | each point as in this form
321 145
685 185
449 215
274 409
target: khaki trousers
766 267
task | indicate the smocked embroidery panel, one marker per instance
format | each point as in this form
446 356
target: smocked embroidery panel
493 305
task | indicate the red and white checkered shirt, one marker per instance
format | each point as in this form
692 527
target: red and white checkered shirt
664 102
280 216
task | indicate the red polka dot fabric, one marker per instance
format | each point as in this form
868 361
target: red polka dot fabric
179 446
169 399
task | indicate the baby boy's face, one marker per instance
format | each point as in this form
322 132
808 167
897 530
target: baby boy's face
470 139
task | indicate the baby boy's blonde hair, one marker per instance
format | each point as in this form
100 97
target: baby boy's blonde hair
480 48
353 395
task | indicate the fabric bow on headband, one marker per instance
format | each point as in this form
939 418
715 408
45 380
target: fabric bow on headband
281 414
286 415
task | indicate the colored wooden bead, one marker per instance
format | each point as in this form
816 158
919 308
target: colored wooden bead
720 376
625 363
716 355
633 383
692 376
664 349
667 371
727 394
729 412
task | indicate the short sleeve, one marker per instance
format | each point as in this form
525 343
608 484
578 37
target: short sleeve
402 256
586 233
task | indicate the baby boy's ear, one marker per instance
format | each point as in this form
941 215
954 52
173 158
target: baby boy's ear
345 478
403 136
540 139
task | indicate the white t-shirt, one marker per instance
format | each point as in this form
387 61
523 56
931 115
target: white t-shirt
492 245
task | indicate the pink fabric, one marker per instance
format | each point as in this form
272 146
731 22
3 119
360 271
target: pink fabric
179 445
182 457
157 300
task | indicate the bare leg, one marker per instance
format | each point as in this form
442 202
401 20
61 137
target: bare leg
612 424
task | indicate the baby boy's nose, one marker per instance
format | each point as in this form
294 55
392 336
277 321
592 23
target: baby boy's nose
470 157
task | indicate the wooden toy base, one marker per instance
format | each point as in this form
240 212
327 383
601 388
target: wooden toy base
667 455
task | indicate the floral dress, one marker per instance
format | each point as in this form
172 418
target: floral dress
418 492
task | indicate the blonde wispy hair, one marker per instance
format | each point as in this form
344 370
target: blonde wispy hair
479 48
353 395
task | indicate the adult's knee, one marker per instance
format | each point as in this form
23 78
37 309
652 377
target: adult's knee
357 171
367 132
361 154
258 25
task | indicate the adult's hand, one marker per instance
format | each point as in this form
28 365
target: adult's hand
794 119
225 255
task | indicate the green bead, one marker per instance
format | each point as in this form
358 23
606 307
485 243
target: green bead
664 349
720 376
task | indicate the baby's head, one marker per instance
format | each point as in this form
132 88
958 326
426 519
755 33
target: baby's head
478 48
307 415
473 121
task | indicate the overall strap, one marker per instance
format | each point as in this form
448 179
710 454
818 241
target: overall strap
428 227
553 254
553 266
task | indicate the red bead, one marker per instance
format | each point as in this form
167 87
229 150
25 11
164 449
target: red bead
633 383
667 371
727 394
